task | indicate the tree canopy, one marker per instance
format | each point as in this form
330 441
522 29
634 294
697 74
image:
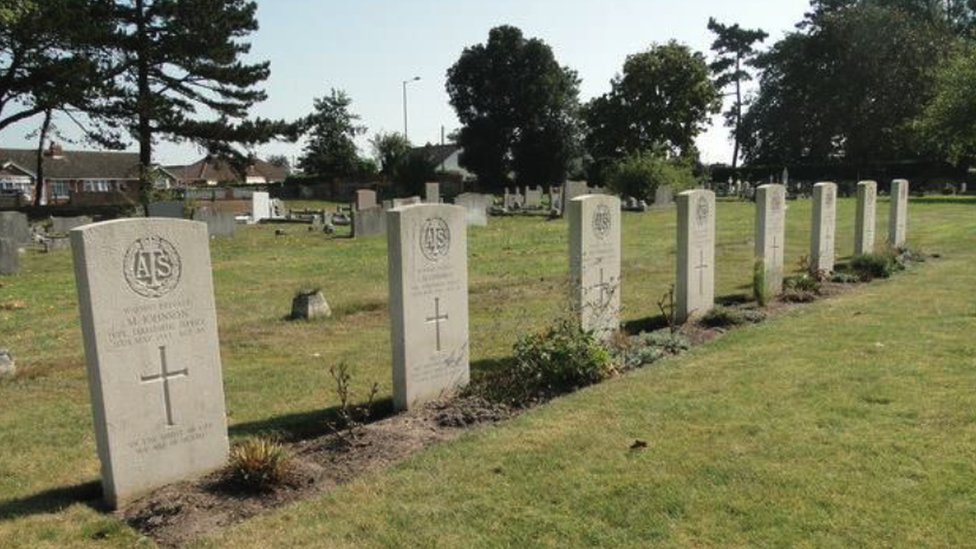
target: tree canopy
662 101
331 148
518 109
948 123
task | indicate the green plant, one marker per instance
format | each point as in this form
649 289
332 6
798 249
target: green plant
722 317
759 290
559 359
349 417
639 175
668 342
880 264
667 307
260 463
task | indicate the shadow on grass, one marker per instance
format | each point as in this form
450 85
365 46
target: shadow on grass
54 501
307 425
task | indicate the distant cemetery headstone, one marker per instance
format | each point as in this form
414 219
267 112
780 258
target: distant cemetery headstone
512 201
260 207
594 262
898 217
15 226
368 222
65 224
168 209
476 207
533 198
428 277
146 297
771 234
410 201
219 223
663 197
573 189
695 287
9 257
556 198
867 199
433 193
824 227
56 243
365 199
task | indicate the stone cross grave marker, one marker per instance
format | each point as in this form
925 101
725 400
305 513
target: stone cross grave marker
771 234
428 276
867 199
365 199
824 227
898 217
594 262
695 288
145 292
433 193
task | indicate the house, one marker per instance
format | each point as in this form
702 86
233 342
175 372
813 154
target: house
92 177
447 159
212 170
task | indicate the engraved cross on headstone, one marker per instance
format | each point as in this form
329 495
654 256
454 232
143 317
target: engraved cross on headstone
436 321
776 245
164 377
701 271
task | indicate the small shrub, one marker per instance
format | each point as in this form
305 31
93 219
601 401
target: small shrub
667 307
668 342
844 278
260 463
759 282
722 317
871 266
560 359
350 417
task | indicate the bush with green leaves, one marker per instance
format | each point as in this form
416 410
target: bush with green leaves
648 348
639 175
557 360
881 264
722 317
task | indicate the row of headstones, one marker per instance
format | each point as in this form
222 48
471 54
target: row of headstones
149 322
16 234
220 222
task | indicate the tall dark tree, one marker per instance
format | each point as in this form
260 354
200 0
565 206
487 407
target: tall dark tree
518 109
331 149
734 48
845 88
390 150
183 76
661 101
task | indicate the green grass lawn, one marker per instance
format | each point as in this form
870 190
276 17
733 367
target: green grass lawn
851 422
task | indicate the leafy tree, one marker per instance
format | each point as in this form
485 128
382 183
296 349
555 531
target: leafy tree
734 48
640 174
331 149
180 58
845 87
948 123
518 109
390 150
662 101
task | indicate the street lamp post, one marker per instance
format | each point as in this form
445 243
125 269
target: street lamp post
405 82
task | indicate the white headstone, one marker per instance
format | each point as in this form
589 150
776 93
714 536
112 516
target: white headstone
824 227
15 226
898 217
428 276
594 262
695 287
476 206
573 189
149 324
433 193
867 199
771 234
533 198
555 198
260 207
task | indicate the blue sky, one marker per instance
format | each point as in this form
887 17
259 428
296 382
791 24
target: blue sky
368 47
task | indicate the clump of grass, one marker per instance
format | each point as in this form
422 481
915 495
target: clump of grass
260 463
648 348
882 264
722 317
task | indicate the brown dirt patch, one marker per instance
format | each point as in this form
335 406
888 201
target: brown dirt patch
180 513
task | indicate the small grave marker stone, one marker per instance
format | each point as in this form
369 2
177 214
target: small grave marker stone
822 235
867 199
898 218
433 193
365 199
9 257
771 234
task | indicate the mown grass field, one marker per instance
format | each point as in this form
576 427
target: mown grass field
851 422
